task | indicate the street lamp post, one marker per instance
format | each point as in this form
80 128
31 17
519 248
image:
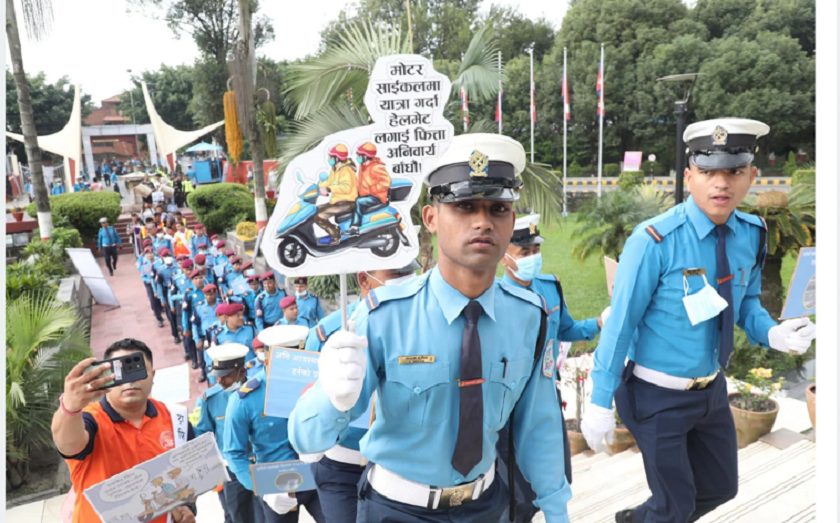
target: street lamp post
133 119
681 112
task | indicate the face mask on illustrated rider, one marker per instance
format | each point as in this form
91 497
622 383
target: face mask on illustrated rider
529 266
261 356
402 280
331 161
360 159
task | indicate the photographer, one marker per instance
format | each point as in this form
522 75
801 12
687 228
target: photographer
103 433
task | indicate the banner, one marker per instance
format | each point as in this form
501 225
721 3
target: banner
632 161
90 271
802 293
172 384
282 477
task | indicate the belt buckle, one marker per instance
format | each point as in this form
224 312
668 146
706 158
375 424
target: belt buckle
458 495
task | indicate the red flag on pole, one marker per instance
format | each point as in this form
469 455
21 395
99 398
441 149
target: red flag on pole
600 88
566 106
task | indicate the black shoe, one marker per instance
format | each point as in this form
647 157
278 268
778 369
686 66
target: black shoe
202 379
194 365
112 272
177 339
160 323
625 516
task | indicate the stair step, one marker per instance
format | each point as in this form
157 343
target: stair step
583 456
591 469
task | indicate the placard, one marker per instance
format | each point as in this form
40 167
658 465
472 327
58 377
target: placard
632 161
802 292
172 384
240 286
611 267
91 272
282 477
321 224
219 270
155 487
290 371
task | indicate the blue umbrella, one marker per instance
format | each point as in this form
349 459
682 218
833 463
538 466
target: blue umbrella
203 147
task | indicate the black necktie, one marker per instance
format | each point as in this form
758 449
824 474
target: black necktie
727 316
471 417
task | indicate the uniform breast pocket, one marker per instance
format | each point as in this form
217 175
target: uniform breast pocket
740 283
418 393
503 388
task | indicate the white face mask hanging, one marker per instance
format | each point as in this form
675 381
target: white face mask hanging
703 305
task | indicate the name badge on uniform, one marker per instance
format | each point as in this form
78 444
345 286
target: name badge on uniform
411 360
548 360
694 272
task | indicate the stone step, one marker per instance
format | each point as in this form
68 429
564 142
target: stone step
592 469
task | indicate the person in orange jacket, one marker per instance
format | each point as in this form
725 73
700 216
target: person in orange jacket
374 184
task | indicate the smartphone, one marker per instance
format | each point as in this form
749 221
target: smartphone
124 369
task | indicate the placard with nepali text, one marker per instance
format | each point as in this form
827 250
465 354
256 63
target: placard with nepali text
802 293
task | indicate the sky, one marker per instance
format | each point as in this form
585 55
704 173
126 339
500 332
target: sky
95 42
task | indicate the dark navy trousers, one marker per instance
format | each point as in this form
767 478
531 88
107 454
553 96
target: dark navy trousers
154 302
308 499
688 444
240 504
337 489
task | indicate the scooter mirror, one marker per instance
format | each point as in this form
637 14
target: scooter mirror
323 176
299 176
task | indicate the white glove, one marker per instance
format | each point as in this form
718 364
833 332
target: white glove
342 367
598 424
604 315
786 338
280 503
311 458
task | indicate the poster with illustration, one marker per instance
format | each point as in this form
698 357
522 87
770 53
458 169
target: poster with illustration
157 486
802 294
282 477
345 205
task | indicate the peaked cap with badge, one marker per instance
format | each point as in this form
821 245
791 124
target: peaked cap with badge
525 231
287 336
723 143
227 358
478 166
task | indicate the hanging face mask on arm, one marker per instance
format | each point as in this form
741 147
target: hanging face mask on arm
703 305
529 266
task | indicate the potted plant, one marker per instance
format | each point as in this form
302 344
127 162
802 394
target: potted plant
622 440
811 399
753 410
575 373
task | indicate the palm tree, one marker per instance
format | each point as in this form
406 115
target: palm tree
316 93
44 340
37 15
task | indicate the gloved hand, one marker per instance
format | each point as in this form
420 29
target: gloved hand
342 367
597 425
786 338
280 503
602 320
311 458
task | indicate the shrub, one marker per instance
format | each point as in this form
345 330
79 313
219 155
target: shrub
247 230
629 179
83 210
269 207
790 165
575 170
327 287
804 177
219 205
657 168
611 169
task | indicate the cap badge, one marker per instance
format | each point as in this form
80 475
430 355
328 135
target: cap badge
533 229
479 164
720 136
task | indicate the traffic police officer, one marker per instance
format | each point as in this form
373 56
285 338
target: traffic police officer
108 241
192 296
203 320
229 371
256 365
180 285
198 238
146 266
338 471
249 299
685 279
309 305
267 304
163 286
522 263
291 313
246 423
441 405
234 273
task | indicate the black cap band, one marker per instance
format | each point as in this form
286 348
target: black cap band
235 363
732 141
459 172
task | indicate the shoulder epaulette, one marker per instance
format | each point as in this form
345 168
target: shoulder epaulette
660 226
248 387
753 219
319 331
212 391
380 295
548 277
250 364
523 294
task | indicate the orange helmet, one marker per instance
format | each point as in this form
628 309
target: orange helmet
340 151
367 149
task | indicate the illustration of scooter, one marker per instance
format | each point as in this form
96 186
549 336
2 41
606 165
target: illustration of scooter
382 228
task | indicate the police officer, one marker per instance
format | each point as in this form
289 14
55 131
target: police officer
256 365
235 330
685 279
233 274
192 296
109 241
146 266
249 299
198 238
432 450
164 277
160 240
267 304
522 263
180 285
268 436
205 319
309 305
291 313
229 370
338 471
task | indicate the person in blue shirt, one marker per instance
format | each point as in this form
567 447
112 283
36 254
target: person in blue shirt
192 296
58 188
234 329
452 356
108 241
206 317
249 299
684 280
267 304
338 471
522 263
164 277
114 181
238 503
160 241
181 284
247 425
256 365
234 273
79 186
146 266
308 304
290 313
199 236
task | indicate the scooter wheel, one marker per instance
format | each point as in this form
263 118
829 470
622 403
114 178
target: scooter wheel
392 243
291 253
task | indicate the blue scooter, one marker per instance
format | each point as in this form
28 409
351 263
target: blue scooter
382 229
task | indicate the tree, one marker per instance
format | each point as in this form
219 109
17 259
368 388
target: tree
37 15
794 18
171 90
723 16
515 33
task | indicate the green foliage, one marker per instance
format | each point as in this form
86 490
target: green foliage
611 169
575 170
83 210
44 340
171 90
246 229
326 287
790 218
804 177
653 167
218 206
790 165
629 179
748 356
26 278
756 387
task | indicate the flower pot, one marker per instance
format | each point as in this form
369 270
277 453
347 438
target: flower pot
18 216
751 425
269 194
622 441
811 399
577 443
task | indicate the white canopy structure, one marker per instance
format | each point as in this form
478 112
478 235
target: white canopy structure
167 138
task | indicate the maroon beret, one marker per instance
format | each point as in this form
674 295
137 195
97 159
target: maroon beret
286 302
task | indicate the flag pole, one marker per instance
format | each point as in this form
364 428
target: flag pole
533 107
601 122
566 104
500 92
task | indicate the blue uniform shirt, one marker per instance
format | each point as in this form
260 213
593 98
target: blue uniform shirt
244 335
108 237
205 317
195 241
245 423
148 279
309 307
649 323
417 408
58 189
192 297
211 418
304 322
268 308
163 278
157 244
254 367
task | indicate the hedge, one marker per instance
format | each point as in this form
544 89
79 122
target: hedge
658 168
611 169
83 210
804 177
629 179
221 206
